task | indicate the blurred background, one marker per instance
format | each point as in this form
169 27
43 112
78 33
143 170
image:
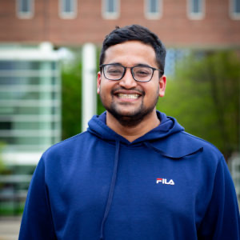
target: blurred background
49 52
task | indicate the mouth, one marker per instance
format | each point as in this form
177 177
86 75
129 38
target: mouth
128 96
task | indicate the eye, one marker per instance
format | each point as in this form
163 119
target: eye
114 70
142 71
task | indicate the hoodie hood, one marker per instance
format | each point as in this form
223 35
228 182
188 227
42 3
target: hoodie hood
167 127
168 138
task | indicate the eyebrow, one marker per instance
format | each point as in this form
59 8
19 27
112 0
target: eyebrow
137 65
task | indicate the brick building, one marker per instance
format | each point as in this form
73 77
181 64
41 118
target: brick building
181 23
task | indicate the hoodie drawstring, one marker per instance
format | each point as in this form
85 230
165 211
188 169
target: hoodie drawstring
111 190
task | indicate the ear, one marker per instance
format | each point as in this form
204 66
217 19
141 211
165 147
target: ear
162 85
99 78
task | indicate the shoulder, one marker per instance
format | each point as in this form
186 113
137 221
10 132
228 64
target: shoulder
182 144
68 146
207 146
209 156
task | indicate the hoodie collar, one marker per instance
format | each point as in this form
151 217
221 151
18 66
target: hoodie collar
168 126
168 137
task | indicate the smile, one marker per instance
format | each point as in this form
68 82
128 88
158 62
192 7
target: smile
128 96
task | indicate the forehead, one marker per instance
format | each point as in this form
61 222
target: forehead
131 53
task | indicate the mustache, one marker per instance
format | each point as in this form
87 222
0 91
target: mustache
124 89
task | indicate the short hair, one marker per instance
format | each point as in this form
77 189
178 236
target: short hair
137 33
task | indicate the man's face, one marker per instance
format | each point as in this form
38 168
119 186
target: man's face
127 100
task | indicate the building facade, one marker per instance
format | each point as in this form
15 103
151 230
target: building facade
182 23
30 102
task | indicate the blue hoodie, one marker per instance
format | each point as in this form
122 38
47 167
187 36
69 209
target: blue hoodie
166 185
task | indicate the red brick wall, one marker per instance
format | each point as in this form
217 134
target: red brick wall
216 29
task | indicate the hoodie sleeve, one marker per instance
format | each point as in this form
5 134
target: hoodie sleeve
37 221
221 220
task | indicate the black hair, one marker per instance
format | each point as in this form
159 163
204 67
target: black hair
138 33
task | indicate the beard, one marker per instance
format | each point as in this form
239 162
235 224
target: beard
131 118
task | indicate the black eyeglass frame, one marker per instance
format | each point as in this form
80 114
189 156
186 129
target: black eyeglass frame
102 66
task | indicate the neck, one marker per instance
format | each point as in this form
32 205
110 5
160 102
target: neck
131 133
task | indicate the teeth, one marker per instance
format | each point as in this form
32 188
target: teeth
131 96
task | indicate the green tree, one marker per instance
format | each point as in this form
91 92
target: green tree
71 98
204 96
72 95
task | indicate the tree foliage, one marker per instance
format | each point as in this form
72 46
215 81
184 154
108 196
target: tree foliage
71 98
72 95
204 95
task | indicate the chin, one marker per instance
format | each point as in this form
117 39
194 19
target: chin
130 118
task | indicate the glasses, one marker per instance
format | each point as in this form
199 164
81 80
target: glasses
140 73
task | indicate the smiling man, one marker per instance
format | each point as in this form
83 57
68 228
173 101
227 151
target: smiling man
135 174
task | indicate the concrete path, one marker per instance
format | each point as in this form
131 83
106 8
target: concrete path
9 228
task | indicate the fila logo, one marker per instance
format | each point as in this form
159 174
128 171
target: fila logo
165 181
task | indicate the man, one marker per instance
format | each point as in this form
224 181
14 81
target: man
135 174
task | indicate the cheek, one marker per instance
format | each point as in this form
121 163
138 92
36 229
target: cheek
105 89
151 92
107 86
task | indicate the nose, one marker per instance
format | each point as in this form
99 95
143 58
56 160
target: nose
128 81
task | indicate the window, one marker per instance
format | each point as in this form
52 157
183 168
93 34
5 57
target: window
30 104
196 9
25 8
68 8
235 9
153 9
110 9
